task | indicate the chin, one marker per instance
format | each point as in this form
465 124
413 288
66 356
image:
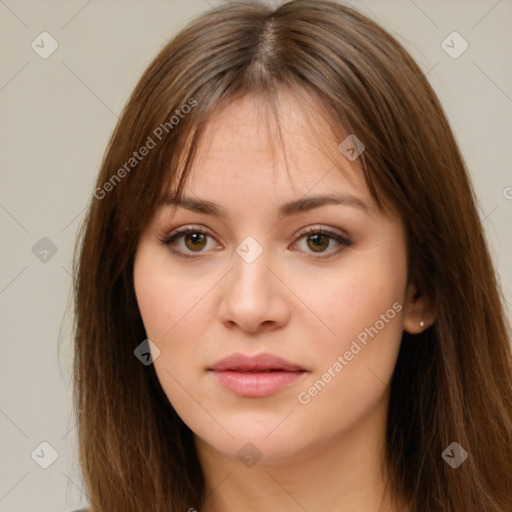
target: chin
257 436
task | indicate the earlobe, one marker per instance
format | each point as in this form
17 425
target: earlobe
418 312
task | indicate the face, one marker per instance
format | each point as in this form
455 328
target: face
307 303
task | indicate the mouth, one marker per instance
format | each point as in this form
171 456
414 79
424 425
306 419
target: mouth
255 376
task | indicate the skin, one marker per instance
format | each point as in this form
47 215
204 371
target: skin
325 455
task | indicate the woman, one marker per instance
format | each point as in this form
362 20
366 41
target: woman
284 296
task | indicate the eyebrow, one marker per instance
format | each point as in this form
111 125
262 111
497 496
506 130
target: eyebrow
285 210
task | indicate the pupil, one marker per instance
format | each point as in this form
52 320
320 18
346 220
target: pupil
195 238
319 238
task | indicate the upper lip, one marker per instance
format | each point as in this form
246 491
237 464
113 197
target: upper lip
263 362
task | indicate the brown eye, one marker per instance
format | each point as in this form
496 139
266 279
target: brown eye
318 243
186 241
195 241
319 240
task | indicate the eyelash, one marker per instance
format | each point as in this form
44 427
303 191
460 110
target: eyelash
343 241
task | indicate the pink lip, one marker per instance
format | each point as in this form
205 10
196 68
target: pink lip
255 376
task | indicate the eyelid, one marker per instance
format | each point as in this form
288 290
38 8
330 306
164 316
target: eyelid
321 229
187 228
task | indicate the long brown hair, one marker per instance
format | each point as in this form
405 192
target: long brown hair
452 383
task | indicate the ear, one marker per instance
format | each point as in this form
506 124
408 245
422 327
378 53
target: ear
417 309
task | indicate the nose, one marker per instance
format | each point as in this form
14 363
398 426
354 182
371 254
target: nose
253 297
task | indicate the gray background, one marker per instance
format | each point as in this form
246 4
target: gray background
56 117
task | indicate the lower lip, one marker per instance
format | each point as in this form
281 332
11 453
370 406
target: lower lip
254 384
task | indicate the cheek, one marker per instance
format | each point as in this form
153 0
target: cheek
170 307
157 302
353 300
356 355
166 300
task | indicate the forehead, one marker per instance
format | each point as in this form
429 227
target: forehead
289 150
